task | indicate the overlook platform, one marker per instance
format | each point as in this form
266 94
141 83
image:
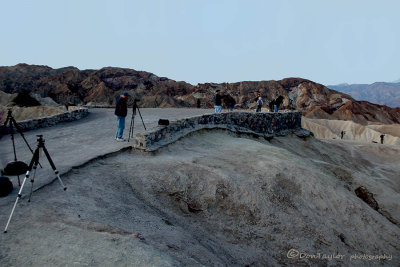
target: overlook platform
74 144
265 125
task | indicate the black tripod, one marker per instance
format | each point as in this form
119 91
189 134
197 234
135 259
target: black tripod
16 167
134 107
33 164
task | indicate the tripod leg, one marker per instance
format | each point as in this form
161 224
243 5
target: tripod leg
130 129
33 179
12 139
141 118
19 130
132 126
34 159
53 167
19 182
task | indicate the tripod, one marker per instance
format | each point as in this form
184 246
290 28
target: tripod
12 123
33 164
134 107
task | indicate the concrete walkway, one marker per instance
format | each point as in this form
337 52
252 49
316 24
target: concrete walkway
72 144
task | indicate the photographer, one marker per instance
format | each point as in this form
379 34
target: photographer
259 102
217 102
121 110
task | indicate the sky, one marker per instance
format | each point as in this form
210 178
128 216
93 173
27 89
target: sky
198 41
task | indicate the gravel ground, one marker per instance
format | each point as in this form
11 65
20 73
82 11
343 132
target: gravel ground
72 144
213 199
210 199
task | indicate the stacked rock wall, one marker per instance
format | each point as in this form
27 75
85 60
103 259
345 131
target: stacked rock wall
72 115
261 124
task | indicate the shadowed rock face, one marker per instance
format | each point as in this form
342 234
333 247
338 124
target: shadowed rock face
102 87
367 197
23 99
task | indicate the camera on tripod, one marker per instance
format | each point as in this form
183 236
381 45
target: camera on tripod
33 166
16 167
134 108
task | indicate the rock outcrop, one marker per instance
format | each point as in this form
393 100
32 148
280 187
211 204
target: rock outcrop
25 106
379 92
101 87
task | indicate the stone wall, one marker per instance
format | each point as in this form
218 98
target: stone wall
260 124
74 114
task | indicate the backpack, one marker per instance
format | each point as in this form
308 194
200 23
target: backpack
259 102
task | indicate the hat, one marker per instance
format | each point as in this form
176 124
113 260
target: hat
126 94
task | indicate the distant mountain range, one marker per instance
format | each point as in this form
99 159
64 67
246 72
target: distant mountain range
101 87
380 92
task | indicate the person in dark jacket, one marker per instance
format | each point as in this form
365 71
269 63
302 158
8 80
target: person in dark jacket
121 110
259 102
232 104
271 105
217 102
228 101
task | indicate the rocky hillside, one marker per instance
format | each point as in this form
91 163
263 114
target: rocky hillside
379 92
26 106
97 87
101 87
313 99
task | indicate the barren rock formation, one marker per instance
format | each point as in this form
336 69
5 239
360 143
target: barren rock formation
379 92
102 87
26 106
331 129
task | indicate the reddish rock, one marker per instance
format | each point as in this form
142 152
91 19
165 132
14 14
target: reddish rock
367 197
102 87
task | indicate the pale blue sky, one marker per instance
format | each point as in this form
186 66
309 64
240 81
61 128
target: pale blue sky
327 41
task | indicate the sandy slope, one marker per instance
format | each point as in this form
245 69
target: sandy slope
48 108
217 200
27 113
330 129
392 129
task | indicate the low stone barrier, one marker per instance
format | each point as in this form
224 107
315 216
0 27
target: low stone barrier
261 124
72 115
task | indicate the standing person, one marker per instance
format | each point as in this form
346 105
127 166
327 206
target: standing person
275 108
277 103
259 104
217 102
271 105
121 110
232 104
256 100
229 102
